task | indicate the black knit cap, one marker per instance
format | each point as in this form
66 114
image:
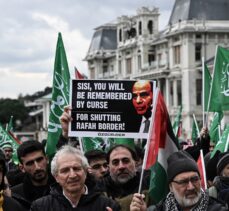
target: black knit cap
223 161
180 162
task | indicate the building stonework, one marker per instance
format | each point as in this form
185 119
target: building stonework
134 48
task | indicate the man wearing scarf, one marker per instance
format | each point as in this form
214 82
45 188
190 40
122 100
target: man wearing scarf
185 189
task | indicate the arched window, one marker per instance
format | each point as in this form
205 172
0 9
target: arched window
120 35
150 27
140 28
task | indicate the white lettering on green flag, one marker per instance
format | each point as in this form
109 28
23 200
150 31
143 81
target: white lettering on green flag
219 94
60 96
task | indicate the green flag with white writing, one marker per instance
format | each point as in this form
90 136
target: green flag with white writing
6 138
219 95
214 131
90 143
60 96
222 144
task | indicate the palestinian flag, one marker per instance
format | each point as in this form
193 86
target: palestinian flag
201 167
162 143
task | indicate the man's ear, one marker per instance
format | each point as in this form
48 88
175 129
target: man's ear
21 167
47 158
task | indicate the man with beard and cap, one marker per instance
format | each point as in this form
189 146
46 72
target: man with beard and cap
185 189
37 180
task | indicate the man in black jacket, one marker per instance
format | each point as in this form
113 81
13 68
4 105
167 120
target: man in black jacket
124 179
36 183
69 167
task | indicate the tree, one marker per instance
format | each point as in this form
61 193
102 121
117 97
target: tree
12 107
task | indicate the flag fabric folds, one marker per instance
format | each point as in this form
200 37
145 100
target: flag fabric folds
176 124
219 93
90 143
201 167
10 125
214 131
6 137
78 75
195 130
207 86
60 96
162 144
222 144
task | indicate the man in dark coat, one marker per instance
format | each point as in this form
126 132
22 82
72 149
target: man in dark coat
69 167
37 181
124 179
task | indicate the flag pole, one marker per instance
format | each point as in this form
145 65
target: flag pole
209 98
155 101
219 131
204 169
203 87
226 146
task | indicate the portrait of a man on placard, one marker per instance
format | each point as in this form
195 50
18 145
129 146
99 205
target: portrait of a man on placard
142 101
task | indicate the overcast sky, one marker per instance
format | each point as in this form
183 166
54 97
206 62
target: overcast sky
29 29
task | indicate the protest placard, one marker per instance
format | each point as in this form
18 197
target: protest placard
111 108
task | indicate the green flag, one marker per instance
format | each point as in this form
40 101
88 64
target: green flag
207 85
177 120
6 138
219 95
214 131
195 131
222 144
90 143
60 96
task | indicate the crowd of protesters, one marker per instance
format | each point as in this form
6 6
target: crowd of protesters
98 180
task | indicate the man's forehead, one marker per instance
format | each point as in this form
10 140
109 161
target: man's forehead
120 152
185 175
101 161
32 155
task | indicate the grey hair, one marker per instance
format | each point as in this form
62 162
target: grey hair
67 149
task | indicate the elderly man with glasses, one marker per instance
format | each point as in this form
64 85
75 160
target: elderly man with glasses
185 189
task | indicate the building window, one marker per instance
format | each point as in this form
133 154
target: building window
198 91
92 75
128 66
140 28
198 52
120 66
171 93
198 36
139 62
179 92
120 35
150 27
151 58
176 54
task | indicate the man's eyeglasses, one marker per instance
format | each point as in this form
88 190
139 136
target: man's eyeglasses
184 182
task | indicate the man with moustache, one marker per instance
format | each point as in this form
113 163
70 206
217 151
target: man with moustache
69 167
185 189
124 178
142 101
37 181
